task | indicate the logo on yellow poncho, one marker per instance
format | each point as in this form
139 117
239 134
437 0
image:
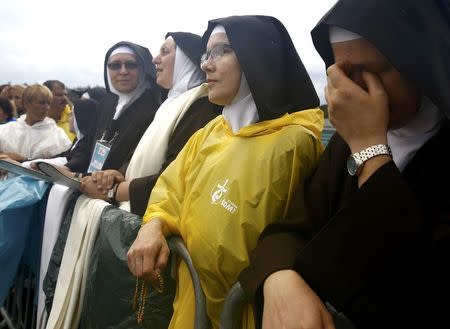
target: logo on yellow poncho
218 196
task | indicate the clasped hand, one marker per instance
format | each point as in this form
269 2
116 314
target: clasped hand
97 185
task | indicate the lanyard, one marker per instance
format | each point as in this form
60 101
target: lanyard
100 154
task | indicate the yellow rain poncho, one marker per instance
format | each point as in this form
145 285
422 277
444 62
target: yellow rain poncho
64 122
223 190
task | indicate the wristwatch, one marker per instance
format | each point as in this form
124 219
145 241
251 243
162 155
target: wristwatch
112 193
356 161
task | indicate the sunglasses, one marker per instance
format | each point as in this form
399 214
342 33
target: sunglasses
118 65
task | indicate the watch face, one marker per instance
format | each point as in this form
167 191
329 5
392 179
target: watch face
352 166
110 193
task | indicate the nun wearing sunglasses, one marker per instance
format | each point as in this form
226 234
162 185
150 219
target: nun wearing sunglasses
124 113
185 110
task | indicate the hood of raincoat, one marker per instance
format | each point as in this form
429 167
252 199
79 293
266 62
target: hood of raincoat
44 124
312 119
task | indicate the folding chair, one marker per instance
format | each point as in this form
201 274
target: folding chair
235 301
201 320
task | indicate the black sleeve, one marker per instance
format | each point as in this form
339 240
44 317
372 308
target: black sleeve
343 228
366 250
379 220
80 157
381 257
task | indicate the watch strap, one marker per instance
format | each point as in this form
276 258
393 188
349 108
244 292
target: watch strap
356 161
372 151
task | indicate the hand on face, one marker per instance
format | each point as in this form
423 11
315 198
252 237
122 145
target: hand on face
360 112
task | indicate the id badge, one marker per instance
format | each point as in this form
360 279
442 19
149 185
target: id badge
99 156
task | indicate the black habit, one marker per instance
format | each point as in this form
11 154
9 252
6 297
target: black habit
129 126
377 253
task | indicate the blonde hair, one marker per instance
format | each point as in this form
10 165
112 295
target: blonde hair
34 92
19 87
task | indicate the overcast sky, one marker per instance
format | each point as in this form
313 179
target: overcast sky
67 40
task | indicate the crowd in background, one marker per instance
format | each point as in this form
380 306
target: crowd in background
11 106
218 139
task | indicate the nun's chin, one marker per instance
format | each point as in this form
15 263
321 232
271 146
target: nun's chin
163 82
216 101
219 99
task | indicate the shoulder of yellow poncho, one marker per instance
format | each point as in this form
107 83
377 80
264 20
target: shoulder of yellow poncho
64 122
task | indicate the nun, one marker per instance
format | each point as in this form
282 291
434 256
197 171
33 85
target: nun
186 109
84 118
124 113
375 239
212 195
186 105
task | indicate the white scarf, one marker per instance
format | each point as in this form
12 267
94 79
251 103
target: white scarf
242 112
407 140
186 74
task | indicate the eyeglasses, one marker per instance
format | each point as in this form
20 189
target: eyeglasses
118 65
215 53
